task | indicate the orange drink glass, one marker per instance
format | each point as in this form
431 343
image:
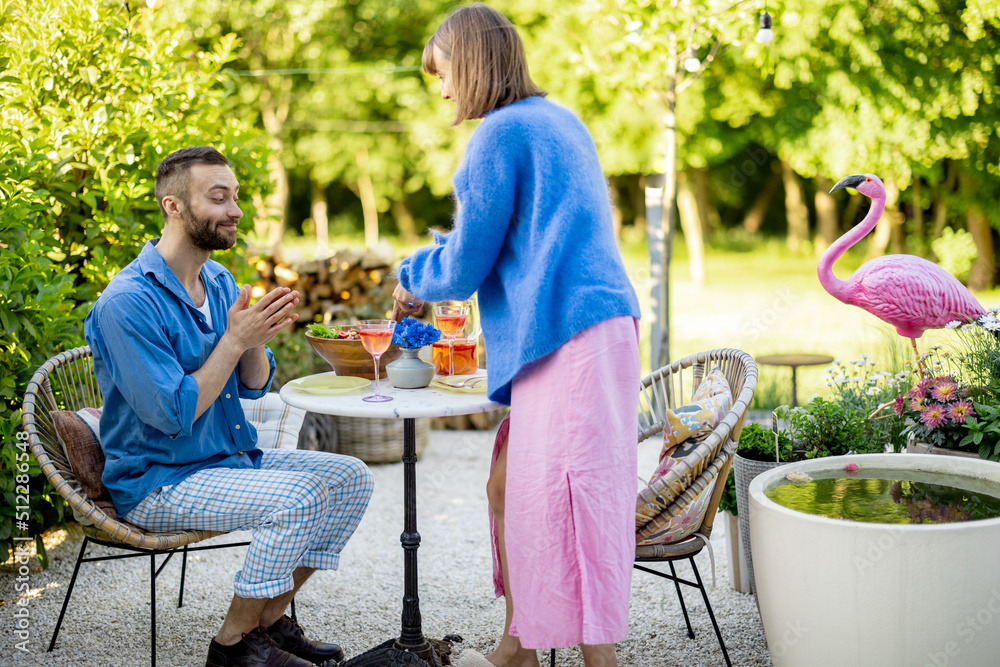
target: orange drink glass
450 317
461 355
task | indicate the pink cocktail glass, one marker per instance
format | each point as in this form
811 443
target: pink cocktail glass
376 336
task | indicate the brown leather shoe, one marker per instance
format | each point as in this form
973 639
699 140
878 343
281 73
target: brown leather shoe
288 636
256 649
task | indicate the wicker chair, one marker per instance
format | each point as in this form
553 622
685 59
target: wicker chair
67 382
708 464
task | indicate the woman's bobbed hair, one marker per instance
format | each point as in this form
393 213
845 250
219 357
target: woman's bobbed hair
488 66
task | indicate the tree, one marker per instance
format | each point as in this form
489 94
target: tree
638 46
94 97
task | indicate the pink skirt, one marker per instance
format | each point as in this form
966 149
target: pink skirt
570 496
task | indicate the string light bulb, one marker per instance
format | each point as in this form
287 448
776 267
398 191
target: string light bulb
765 34
691 62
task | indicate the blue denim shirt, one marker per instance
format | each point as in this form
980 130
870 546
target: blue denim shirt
148 338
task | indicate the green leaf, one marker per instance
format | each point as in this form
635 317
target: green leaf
43 556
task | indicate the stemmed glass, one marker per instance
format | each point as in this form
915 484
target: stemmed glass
376 336
451 317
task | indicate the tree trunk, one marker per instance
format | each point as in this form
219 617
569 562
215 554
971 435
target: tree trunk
983 269
366 192
404 221
850 216
270 224
320 220
941 203
796 211
636 189
616 211
884 232
687 207
916 194
707 213
826 215
660 270
896 218
755 216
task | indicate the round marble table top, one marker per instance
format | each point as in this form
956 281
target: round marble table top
407 403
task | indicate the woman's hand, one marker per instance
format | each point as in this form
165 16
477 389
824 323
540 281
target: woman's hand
405 303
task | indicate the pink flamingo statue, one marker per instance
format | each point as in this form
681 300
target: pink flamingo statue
906 291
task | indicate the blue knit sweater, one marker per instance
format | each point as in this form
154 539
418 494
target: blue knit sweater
532 235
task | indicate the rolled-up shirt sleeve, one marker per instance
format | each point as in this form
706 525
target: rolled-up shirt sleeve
246 392
162 394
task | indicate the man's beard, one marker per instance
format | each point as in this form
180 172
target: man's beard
204 233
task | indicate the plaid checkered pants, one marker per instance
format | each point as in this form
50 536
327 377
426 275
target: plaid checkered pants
301 507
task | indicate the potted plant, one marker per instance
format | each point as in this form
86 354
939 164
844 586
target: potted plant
954 407
820 428
834 591
760 449
409 371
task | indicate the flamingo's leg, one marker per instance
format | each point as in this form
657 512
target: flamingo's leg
920 363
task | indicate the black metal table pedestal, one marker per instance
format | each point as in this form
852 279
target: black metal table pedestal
411 648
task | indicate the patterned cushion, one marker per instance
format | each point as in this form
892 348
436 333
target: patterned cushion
277 423
709 405
674 527
82 445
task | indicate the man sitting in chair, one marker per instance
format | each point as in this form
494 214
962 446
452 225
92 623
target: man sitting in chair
176 345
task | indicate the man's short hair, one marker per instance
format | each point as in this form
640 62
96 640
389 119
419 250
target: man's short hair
173 174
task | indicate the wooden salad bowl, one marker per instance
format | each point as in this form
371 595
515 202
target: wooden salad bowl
349 357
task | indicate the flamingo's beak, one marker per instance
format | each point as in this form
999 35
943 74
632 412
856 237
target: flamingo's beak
848 182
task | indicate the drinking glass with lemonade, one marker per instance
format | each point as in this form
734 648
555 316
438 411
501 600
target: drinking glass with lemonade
459 325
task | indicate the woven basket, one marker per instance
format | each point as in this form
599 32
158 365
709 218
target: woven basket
377 440
744 470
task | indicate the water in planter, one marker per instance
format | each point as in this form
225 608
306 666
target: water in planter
881 497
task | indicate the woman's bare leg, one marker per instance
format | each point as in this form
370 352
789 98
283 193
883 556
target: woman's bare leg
599 655
509 652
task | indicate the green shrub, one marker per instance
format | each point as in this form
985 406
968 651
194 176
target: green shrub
757 443
956 251
93 98
825 428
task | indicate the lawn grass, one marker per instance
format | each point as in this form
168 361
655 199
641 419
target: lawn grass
766 300
758 297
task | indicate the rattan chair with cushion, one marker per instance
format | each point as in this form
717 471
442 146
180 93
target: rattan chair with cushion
60 418
699 477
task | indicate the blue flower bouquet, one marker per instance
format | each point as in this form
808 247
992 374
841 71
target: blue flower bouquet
413 335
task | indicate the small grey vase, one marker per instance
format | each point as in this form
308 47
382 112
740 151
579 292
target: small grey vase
409 371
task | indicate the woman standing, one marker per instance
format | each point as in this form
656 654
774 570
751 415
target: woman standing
533 236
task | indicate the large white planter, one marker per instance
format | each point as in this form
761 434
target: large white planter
834 592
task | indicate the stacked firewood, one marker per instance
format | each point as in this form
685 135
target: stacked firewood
351 284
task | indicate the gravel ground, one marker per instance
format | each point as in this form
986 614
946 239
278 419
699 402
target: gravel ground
359 605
